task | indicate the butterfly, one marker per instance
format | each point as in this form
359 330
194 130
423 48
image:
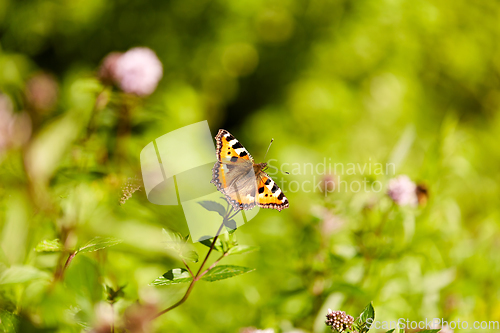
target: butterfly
243 182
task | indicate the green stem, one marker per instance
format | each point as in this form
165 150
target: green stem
229 218
113 321
197 276
187 266
214 264
68 261
60 274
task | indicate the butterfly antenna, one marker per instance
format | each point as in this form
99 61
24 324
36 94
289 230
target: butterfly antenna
270 143
273 167
268 148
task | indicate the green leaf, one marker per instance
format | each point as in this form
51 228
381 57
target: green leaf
113 295
49 246
241 249
365 319
230 225
213 207
225 272
368 313
50 145
177 243
83 277
99 243
190 255
228 241
173 276
390 331
8 321
218 245
172 236
174 240
430 331
21 274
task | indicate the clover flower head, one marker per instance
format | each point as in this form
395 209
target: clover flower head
339 321
403 191
137 71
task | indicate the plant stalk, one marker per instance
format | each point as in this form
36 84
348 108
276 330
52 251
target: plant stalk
198 274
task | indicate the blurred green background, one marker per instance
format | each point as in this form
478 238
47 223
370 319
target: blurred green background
415 83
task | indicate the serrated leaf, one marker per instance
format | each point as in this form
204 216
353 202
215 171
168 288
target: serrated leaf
225 272
241 249
213 207
173 240
21 274
49 246
365 319
177 243
190 255
172 236
173 276
98 243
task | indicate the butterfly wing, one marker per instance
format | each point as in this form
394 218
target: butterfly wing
237 183
269 194
229 149
233 173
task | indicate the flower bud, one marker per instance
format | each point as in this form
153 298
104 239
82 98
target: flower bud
136 71
403 191
339 321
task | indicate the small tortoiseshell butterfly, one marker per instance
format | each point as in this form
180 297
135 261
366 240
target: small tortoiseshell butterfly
244 183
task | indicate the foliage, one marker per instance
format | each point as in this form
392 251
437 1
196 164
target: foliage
335 83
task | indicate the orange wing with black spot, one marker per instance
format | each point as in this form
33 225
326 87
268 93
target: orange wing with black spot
229 149
233 172
269 193
233 175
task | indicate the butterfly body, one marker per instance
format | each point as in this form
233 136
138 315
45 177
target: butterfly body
244 183
259 167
